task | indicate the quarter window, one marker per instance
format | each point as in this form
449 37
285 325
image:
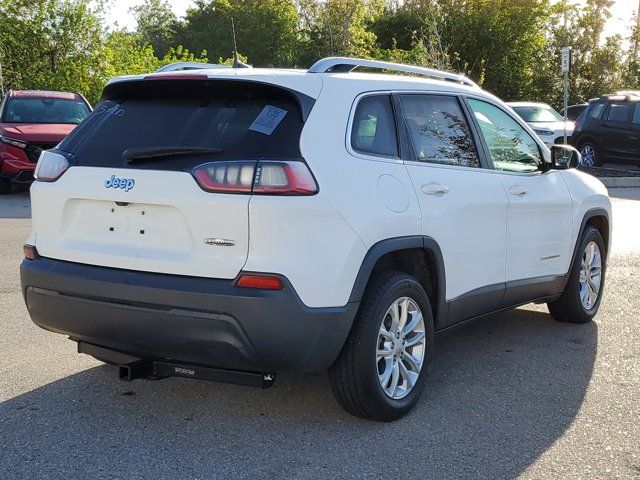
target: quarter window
438 130
374 129
512 149
597 110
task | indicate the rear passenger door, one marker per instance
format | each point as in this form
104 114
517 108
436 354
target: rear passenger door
463 204
615 129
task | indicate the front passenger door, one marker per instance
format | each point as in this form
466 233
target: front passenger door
539 219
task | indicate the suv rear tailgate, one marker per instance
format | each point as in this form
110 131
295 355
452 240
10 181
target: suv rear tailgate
159 225
131 198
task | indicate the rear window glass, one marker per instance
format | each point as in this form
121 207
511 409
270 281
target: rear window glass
228 119
44 110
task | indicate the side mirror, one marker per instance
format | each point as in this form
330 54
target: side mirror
564 157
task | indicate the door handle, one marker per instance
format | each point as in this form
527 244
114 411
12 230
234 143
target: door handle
435 189
518 191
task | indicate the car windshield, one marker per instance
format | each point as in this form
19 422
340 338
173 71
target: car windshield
45 110
538 114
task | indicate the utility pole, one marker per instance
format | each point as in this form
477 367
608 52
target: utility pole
1 82
566 66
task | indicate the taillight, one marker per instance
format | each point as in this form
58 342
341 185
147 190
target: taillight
30 252
50 166
226 177
266 177
262 282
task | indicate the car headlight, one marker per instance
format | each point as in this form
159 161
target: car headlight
544 133
11 141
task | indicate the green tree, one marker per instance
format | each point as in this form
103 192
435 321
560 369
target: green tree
337 27
632 68
266 30
157 25
49 43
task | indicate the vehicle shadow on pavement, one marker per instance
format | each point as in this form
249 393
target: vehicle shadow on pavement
16 204
502 390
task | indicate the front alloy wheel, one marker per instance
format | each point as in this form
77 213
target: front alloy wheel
590 275
580 300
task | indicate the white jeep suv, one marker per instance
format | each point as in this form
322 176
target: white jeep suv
229 224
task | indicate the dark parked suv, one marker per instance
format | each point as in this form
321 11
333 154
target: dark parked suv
609 130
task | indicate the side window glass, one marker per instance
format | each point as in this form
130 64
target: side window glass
619 112
374 128
597 111
636 114
512 148
438 130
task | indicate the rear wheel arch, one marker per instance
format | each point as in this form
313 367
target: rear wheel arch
587 138
417 256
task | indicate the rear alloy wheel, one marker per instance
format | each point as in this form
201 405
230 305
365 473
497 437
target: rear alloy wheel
590 155
382 368
580 300
400 352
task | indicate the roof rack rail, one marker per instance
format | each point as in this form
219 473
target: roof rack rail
345 65
173 67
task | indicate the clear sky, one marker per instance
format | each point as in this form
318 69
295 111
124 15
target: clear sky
621 20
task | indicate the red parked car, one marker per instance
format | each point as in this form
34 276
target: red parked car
32 121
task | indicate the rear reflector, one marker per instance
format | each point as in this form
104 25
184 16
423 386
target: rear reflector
30 252
266 177
263 282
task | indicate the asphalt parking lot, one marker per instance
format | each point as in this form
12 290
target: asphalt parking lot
512 395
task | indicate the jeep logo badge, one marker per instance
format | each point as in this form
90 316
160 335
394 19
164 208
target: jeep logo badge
125 183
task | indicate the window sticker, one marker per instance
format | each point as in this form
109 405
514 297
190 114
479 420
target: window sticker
269 118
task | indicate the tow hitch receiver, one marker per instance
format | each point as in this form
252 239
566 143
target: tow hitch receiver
132 368
157 369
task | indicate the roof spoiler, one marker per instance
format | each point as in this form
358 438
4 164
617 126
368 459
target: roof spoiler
178 66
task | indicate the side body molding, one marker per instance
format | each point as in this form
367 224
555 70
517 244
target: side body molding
482 301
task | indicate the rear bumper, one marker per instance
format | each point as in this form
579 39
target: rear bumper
199 320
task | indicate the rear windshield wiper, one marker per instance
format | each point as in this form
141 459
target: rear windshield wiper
138 155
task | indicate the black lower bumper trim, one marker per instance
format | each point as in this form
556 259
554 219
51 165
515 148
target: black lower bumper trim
177 319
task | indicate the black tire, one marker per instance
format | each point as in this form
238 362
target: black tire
569 307
5 187
597 161
354 374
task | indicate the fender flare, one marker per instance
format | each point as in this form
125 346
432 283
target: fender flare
390 245
591 213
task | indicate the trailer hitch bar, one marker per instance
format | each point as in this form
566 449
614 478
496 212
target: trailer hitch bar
158 369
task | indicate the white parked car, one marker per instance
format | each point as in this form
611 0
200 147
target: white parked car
544 120
233 224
